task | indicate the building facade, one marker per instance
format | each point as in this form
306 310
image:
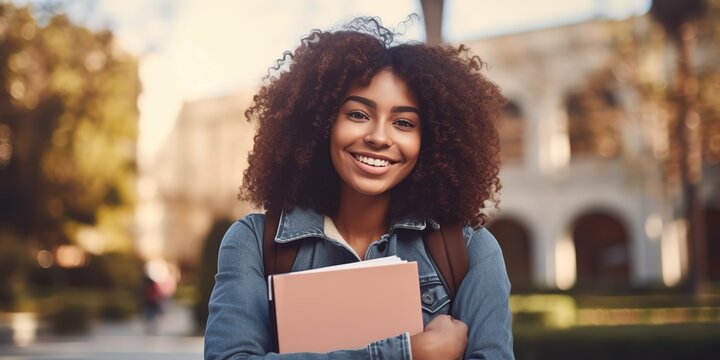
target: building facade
585 202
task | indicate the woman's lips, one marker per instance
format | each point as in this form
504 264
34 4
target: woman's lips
371 169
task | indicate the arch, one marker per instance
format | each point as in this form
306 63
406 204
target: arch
602 252
514 239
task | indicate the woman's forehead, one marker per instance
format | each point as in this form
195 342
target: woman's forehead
385 86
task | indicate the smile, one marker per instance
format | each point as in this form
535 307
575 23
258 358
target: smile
372 161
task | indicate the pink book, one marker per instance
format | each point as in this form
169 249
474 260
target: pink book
346 306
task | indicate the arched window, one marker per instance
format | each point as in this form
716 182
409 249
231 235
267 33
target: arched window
512 132
514 240
601 251
594 116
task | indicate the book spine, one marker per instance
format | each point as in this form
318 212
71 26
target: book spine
273 318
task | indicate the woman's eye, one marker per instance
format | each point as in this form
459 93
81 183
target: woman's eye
358 115
404 124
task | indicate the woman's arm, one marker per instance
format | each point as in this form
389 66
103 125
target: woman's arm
482 299
238 323
444 338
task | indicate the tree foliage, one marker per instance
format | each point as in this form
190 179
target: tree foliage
68 126
647 62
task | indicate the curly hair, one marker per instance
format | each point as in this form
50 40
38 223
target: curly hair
458 165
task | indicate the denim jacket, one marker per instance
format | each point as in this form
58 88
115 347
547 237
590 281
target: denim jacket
238 325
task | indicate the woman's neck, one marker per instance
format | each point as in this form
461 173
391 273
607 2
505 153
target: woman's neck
361 219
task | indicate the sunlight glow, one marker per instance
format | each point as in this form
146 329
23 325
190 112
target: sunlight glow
24 328
565 263
45 259
91 239
673 252
70 256
653 226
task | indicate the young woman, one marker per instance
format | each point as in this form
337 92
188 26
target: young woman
362 144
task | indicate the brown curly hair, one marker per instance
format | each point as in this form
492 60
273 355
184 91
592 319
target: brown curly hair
457 169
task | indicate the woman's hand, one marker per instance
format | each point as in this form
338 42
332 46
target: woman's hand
444 338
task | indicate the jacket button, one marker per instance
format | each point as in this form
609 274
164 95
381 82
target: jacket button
427 299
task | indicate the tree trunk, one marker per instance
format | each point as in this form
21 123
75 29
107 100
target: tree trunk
690 156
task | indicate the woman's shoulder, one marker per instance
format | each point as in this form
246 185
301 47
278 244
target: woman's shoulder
486 264
251 225
253 220
480 243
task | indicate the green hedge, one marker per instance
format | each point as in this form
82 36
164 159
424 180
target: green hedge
72 311
71 318
658 342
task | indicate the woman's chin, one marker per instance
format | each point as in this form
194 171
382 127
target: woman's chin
370 190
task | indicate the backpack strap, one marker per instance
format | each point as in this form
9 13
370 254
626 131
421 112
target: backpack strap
446 247
277 258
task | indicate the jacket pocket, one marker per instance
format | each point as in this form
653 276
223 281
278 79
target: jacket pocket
433 297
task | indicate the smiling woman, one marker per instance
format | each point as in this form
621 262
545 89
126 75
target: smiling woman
362 145
375 138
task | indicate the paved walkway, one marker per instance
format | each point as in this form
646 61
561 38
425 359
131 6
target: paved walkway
172 340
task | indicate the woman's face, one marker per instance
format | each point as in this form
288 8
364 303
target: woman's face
375 138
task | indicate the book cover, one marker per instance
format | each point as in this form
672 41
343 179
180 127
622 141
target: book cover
346 306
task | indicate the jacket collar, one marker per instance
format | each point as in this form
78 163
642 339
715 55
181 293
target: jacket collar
301 223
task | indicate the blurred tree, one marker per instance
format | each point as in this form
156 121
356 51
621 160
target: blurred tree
678 19
68 124
674 93
708 108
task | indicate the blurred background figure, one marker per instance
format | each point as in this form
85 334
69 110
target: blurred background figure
159 283
123 142
152 298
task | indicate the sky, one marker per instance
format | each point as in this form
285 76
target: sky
194 49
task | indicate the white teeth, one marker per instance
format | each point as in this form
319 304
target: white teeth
371 161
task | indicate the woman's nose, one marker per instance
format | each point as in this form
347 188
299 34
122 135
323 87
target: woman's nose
377 135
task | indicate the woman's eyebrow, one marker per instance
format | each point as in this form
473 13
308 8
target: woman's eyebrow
367 102
402 109
371 104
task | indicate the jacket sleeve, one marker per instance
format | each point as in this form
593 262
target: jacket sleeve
482 299
238 321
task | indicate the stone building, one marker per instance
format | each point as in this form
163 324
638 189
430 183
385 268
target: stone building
196 178
584 202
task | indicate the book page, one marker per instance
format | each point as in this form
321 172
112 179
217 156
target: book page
389 260
360 264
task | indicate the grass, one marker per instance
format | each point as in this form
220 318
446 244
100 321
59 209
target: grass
670 341
662 325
